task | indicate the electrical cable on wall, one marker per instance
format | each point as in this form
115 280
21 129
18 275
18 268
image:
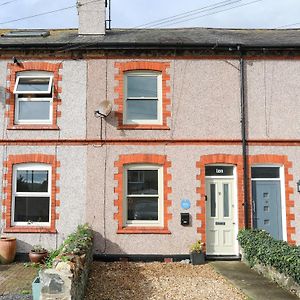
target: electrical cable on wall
105 165
265 98
270 100
100 115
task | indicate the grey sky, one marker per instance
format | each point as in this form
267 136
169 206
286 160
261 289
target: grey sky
132 13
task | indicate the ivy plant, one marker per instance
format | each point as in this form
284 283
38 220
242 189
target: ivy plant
260 247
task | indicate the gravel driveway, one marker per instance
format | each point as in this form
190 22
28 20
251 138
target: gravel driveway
149 281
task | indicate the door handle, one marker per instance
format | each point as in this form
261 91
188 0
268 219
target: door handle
205 197
254 206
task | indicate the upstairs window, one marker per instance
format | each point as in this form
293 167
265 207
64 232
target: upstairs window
31 194
33 98
143 98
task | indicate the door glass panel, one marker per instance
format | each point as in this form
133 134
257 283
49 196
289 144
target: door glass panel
265 172
226 199
213 200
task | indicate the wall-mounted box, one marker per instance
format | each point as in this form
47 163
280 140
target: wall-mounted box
185 219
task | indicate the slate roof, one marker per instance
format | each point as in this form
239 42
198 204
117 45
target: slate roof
159 38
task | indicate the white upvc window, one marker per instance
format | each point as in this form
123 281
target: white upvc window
33 98
143 195
31 195
143 97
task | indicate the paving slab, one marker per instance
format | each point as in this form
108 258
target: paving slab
252 284
15 281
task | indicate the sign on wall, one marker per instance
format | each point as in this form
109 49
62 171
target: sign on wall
218 170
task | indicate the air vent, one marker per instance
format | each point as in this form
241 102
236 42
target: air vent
27 33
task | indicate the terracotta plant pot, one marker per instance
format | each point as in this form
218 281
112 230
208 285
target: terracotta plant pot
38 257
7 249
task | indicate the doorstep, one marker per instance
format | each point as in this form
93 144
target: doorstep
223 257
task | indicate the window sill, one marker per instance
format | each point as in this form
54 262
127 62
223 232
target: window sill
25 229
143 230
143 127
33 127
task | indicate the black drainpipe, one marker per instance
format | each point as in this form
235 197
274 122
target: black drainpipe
244 134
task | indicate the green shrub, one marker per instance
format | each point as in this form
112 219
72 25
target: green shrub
196 247
76 243
260 247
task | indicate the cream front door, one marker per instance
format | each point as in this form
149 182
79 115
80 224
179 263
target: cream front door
220 225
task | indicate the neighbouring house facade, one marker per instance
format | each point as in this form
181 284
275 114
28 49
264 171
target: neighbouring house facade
204 122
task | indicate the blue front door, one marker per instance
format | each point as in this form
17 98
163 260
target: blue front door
267 207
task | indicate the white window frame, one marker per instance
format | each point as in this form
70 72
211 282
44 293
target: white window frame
158 121
31 97
34 167
160 195
34 76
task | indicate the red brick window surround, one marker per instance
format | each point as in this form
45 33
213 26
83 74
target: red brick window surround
15 160
13 70
201 203
143 159
237 160
127 67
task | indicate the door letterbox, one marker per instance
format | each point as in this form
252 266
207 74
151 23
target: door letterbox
185 219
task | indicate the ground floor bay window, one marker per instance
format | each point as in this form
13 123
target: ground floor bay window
31 197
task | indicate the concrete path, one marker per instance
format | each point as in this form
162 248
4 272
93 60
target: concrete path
252 284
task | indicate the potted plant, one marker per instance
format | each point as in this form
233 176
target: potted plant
38 254
7 248
196 254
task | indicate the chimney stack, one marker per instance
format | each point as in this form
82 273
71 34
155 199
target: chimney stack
92 16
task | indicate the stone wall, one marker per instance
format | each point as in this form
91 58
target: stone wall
67 279
70 264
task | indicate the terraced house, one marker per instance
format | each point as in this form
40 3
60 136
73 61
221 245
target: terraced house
202 140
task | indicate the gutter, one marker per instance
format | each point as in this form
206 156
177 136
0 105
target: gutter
85 46
244 134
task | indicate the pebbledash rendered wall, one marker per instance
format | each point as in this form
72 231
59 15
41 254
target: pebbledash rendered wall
205 120
70 187
203 116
